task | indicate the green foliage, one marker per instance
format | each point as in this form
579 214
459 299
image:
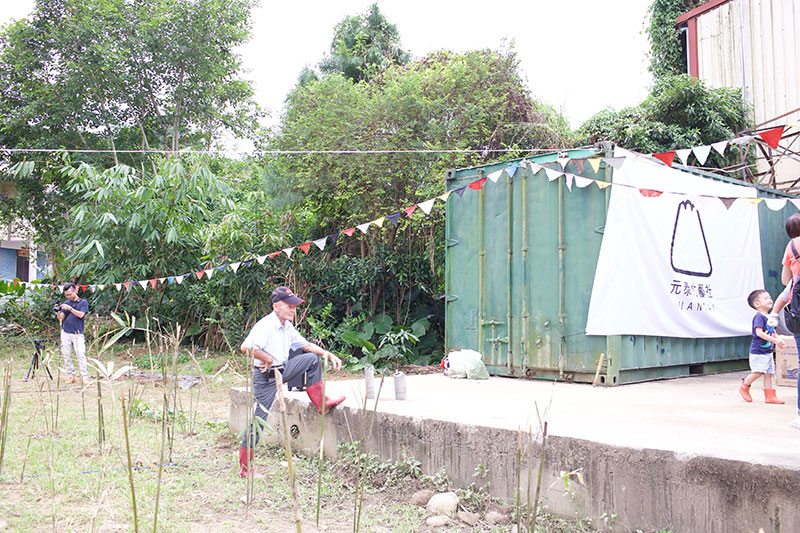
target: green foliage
667 56
350 459
363 46
679 112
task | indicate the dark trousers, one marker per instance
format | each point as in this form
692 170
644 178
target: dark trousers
264 389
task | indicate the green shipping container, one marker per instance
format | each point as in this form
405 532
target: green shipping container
521 257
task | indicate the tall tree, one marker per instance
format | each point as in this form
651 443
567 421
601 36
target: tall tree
363 46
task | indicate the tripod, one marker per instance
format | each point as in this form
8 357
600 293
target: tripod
37 352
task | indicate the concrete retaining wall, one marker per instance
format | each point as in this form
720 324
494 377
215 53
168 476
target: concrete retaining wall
648 489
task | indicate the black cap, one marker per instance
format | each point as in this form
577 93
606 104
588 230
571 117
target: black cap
284 294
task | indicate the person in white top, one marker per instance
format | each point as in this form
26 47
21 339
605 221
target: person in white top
270 343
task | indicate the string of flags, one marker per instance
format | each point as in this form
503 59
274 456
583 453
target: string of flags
552 173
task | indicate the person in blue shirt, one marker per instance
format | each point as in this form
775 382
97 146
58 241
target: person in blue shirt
761 348
71 316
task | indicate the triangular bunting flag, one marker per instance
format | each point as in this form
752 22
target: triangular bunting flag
460 190
170 279
363 227
127 285
615 162
410 210
563 161
772 137
701 153
153 283
552 175
179 279
261 259
427 205
320 243
273 255
379 222
161 280
684 155
512 170
754 201
744 139
349 231
494 176
720 147
333 237
727 202
595 163
535 168
476 185
650 193
305 247
666 157
602 184
288 252
222 267
446 195
235 266
199 274
701 202
394 218
84 287
569 178
582 182
580 164
248 262
209 272
143 283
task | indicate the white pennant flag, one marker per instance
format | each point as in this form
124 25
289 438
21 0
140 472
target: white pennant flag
563 162
427 205
720 147
179 279
744 139
143 283
321 243
235 266
684 155
702 202
209 272
535 168
261 259
552 175
494 176
582 182
701 153
569 181
118 286
288 252
776 204
364 227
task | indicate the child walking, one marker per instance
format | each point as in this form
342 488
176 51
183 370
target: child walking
764 341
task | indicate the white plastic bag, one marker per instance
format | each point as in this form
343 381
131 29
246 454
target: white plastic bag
465 364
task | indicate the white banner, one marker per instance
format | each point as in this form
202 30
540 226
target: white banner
675 266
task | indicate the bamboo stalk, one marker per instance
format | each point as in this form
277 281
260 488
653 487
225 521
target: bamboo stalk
288 438
539 480
5 412
164 411
362 464
519 477
321 443
130 466
174 389
101 426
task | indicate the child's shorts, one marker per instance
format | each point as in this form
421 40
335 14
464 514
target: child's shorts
763 363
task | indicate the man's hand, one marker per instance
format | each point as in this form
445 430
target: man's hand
336 363
780 343
65 307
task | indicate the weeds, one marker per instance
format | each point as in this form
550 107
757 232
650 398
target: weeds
4 413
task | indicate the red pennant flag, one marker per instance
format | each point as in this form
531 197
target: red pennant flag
477 185
410 210
127 285
199 274
666 157
650 193
305 247
772 137
273 255
84 287
153 283
349 231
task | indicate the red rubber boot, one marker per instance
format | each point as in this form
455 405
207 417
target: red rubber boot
244 463
769 397
744 390
315 393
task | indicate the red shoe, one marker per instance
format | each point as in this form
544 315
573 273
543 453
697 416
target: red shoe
769 397
316 393
244 463
744 390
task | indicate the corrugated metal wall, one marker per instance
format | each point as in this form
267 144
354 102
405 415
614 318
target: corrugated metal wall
755 45
510 297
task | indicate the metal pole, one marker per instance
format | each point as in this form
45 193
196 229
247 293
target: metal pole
481 264
561 248
524 337
509 295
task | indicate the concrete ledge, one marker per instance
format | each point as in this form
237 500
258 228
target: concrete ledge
752 481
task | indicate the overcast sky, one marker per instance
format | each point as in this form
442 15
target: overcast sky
579 56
